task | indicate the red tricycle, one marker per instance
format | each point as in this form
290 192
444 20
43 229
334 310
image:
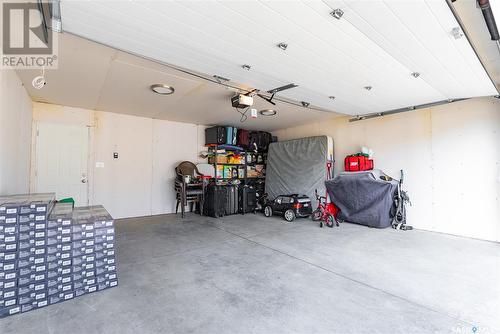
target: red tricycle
325 212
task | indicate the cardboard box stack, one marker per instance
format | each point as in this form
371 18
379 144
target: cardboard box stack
50 252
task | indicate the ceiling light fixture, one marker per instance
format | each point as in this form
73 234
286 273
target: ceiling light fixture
331 97
368 87
305 104
337 13
246 67
268 112
162 89
282 46
415 74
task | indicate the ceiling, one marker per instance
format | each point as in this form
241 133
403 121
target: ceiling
97 77
375 43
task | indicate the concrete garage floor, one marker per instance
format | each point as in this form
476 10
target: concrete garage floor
250 274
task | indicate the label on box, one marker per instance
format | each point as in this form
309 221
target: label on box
89 266
39 243
40 277
92 288
41 295
8 256
40 226
90 281
10 275
10 229
10 302
39 251
42 303
40 268
10 238
66 231
25 270
9 266
9 294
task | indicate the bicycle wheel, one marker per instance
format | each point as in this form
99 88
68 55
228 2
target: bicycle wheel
316 215
330 220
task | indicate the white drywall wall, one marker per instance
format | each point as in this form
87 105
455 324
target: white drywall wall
15 134
123 186
140 181
450 155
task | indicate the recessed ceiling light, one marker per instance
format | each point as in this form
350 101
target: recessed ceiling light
331 97
305 104
337 13
415 74
162 89
282 46
246 67
268 112
368 87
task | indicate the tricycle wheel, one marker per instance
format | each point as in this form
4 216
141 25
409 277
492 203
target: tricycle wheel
268 211
289 215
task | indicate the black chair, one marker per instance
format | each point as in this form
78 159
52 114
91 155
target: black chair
191 190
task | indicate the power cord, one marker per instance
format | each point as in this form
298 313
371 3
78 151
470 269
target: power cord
243 114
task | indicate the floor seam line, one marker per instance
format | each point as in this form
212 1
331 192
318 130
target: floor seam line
346 277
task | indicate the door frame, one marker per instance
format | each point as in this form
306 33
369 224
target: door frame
34 156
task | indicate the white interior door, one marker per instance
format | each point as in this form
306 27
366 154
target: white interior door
62 161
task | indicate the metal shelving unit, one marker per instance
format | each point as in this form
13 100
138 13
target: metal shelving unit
245 181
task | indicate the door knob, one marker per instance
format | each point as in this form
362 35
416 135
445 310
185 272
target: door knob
84 180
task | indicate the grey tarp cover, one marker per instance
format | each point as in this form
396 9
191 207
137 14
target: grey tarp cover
363 198
297 167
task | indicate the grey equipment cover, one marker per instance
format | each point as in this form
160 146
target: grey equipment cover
363 197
